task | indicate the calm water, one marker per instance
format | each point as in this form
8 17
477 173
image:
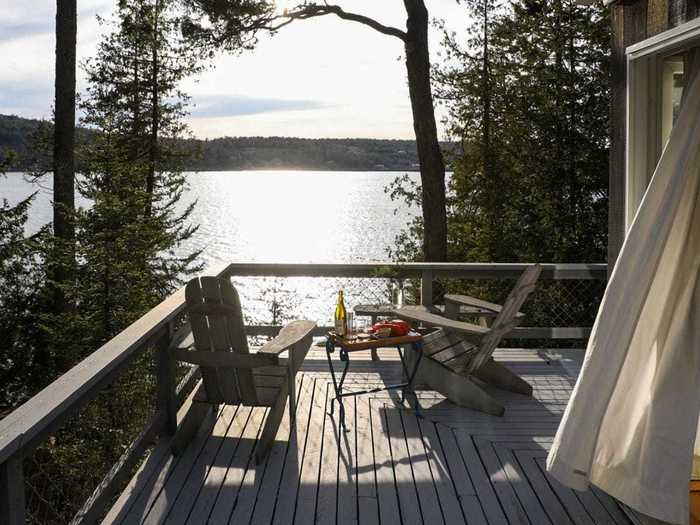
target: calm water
278 216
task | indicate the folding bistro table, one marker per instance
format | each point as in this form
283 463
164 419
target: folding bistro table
348 346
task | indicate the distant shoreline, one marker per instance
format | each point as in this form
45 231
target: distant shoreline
275 170
253 153
338 170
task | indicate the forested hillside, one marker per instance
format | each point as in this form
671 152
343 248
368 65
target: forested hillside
15 132
234 153
239 153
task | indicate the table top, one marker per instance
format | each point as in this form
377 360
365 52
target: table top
389 310
367 344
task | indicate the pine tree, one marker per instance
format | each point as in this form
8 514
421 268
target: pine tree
472 84
21 280
128 240
527 98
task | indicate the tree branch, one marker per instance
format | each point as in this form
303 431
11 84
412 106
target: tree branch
304 12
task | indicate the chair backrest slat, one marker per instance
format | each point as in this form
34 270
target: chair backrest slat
202 341
506 319
238 342
219 329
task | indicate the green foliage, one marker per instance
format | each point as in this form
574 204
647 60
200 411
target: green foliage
527 98
236 153
65 470
226 24
21 280
132 173
14 131
126 243
31 140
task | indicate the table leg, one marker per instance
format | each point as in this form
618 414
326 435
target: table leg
418 348
338 385
345 358
405 364
406 375
373 352
329 351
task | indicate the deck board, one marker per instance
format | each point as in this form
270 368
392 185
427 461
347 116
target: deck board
327 467
308 478
239 465
200 491
176 479
452 466
366 482
285 502
409 502
347 469
387 496
420 464
251 486
284 452
526 461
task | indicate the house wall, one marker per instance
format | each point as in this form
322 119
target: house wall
632 21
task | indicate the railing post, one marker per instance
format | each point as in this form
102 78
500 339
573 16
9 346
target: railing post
426 288
12 510
167 398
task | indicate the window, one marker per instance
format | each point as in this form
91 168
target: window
657 71
671 93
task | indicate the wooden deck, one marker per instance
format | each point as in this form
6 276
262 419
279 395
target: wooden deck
452 466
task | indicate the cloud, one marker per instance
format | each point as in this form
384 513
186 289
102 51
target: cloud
10 31
35 18
208 106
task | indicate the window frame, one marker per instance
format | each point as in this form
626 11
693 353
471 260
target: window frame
643 118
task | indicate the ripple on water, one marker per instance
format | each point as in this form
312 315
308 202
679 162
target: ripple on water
278 216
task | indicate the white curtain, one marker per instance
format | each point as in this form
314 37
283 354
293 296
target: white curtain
632 420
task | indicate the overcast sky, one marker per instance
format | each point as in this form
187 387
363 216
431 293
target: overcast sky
317 78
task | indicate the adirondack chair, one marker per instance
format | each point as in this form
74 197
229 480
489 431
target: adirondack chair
457 352
232 375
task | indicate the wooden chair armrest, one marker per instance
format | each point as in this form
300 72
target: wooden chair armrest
181 348
223 359
421 316
290 335
467 300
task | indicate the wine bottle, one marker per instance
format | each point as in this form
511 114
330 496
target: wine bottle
341 325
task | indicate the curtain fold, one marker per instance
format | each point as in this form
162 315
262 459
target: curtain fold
631 423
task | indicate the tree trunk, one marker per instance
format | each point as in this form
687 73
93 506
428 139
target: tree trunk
64 143
495 197
155 107
432 168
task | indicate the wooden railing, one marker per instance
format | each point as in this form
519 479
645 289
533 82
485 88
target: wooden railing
35 421
427 273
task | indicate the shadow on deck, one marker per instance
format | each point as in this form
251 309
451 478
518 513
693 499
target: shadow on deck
454 465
